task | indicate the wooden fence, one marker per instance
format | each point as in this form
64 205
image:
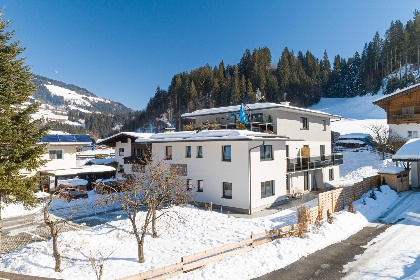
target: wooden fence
333 200
14 276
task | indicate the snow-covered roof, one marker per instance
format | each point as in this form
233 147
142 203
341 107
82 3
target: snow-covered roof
211 135
133 135
100 161
73 182
80 170
391 170
397 93
253 107
352 141
355 136
108 151
410 151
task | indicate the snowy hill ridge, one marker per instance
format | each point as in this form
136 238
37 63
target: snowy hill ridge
60 98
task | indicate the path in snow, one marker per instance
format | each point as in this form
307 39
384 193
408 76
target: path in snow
396 252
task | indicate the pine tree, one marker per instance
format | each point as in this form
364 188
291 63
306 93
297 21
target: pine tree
19 133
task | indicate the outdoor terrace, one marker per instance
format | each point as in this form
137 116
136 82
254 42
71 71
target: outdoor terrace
310 163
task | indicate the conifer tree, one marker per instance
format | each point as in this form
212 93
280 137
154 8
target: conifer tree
19 133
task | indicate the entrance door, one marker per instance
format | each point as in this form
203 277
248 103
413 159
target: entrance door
306 181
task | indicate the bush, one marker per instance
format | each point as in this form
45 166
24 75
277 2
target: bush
350 206
303 220
372 195
318 222
329 217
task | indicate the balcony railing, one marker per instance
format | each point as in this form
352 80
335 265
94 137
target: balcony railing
406 117
135 160
310 163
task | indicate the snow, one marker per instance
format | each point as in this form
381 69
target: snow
359 165
346 126
410 151
130 134
354 136
252 107
100 161
12 210
73 182
83 169
391 170
68 95
397 92
353 141
182 232
394 254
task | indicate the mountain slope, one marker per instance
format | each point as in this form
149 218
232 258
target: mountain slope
66 97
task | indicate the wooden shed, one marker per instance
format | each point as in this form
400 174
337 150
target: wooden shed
397 178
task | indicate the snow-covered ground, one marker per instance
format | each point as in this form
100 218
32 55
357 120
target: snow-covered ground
395 253
187 230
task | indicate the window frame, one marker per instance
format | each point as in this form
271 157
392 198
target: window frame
121 152
189 185
331 174
324 125
263 153
168 156
55 154
200 189
224 191
304 123
187 151
199 152
267 185
224 149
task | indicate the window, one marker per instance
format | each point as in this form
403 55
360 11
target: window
55 154
200 186
168 152
412 134
188 151
322 151
227 153
266 152
304 123
199 151
139 152
121 152
324 125
287 151
331 174
189 184
227 190
407 110
267 188
121 169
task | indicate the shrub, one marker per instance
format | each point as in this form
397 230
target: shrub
329 217
372 195
350 206
318 222
303 220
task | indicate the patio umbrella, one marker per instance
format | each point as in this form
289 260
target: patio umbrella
242 117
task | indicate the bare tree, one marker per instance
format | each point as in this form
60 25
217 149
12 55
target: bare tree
97 262
57 224
380 134
159 186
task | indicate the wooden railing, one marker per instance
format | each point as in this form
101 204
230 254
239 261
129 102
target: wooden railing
334 200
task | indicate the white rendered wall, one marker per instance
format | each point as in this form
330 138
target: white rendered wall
402 129
127 153
68 161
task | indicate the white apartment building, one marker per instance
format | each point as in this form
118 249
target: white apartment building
244 170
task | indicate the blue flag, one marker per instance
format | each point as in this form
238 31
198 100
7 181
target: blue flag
242 117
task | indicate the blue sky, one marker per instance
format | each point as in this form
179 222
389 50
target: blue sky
122 50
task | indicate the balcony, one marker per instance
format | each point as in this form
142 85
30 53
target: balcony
310 163
135 160
406 118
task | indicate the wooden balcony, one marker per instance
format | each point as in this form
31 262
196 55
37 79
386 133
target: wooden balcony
310 163
405 118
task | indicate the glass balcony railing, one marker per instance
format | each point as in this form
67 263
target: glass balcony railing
308 163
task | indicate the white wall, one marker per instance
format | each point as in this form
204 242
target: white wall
127 153
402 129
68 160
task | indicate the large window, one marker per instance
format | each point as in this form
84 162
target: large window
304 123
227 153
331 173
200 186
55 154
227 190
267 188
188 151
121 152
168 152
266 152
199 151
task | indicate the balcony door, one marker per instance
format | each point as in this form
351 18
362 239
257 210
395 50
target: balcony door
322 152
306 181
